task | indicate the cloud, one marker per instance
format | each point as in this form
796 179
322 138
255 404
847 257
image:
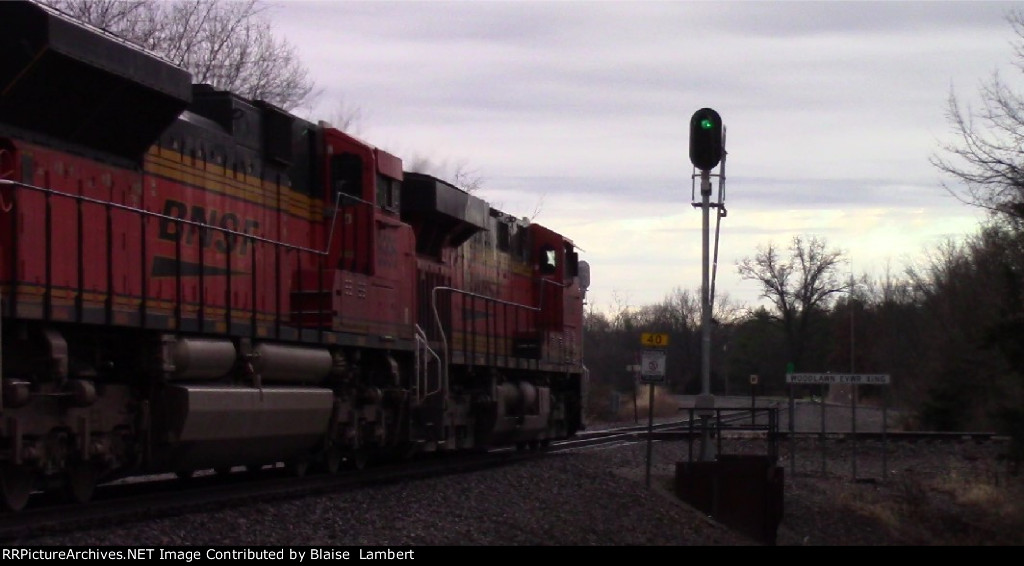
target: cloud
580 110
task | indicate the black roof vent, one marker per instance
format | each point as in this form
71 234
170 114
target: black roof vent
77 83
441 214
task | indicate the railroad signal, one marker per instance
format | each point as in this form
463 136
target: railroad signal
705 139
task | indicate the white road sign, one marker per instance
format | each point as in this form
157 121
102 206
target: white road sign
652 366
841 378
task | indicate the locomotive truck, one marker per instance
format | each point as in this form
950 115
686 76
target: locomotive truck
191 280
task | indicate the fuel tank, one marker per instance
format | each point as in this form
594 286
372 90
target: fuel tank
207 426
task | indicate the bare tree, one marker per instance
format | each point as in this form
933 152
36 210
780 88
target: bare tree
799 286
228 44
986 156
979 287
458 174
347 117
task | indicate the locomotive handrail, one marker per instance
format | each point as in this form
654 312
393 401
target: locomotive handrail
334 220
229 234
555 283
145 212
4 206
421 340
339 195
440 326
542 281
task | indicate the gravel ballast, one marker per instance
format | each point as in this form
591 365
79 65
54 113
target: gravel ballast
599 496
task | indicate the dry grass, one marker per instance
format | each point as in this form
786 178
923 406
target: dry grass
914 508
934 494
665 404
631 406
886 512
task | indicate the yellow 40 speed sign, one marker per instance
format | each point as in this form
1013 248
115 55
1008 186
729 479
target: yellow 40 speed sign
654 339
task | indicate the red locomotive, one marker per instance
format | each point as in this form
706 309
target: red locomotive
191 280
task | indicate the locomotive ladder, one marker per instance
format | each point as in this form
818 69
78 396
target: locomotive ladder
422 379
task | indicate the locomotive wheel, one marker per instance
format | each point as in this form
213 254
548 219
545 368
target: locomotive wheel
15 486
184 474
222 470
298 468
332 461
357 459
81 482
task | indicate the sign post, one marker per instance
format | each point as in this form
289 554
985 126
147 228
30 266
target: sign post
753 402
652 372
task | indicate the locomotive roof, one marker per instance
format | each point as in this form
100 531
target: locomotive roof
65 79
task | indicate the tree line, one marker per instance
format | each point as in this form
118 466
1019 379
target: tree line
950 333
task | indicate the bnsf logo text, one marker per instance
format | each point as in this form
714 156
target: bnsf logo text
221 241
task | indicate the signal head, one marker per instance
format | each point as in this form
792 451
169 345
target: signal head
705 139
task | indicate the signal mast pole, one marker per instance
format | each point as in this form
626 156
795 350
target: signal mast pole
705 154
705 288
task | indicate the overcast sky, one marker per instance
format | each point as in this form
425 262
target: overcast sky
577 114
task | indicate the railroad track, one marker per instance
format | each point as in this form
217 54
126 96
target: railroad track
163 496
154 497
738 423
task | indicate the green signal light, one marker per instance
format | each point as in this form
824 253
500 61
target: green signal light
705 139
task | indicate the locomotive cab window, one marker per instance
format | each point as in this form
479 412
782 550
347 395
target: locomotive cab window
347 174
572 262
388 191
548 260
521 245
504 236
